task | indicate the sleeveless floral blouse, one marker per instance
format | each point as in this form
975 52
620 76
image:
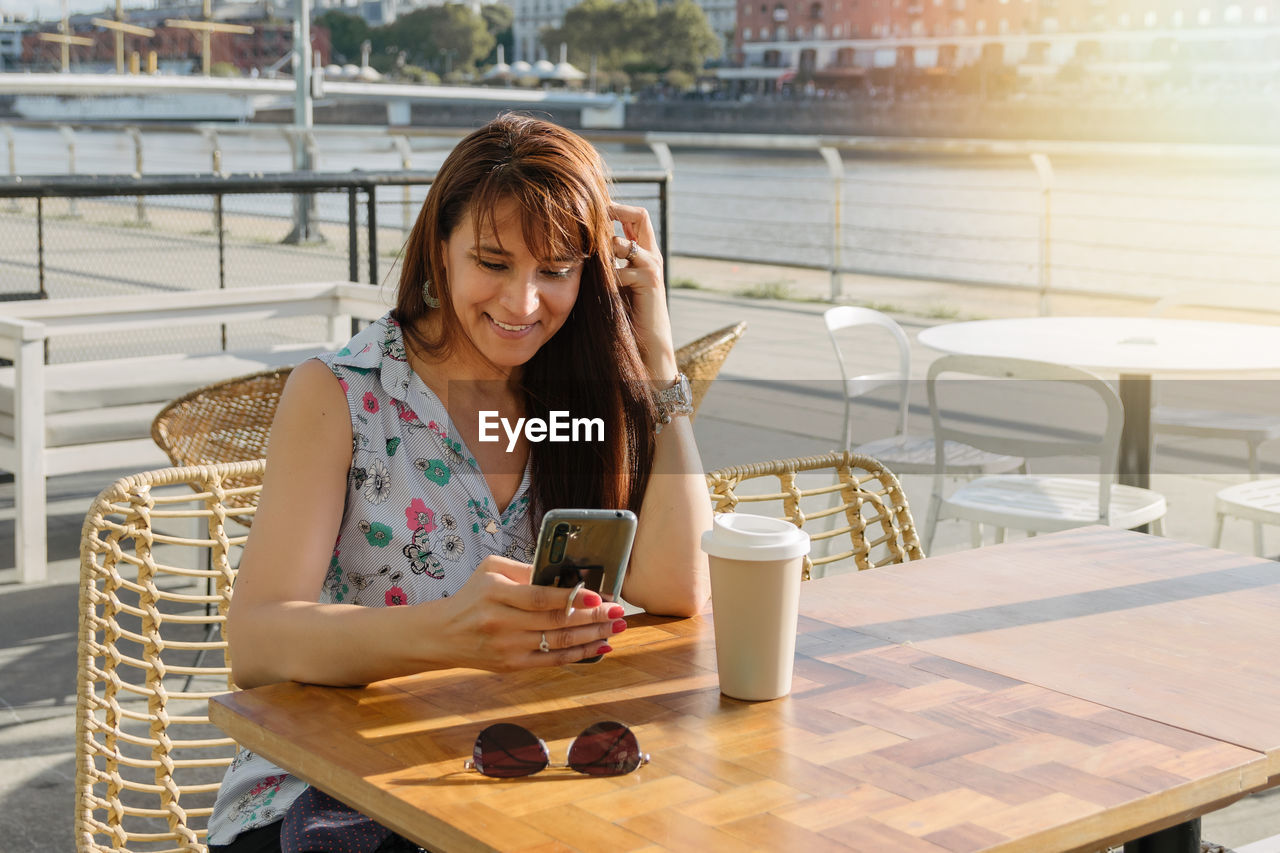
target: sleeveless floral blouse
418 520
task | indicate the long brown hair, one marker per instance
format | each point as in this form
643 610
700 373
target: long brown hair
592 366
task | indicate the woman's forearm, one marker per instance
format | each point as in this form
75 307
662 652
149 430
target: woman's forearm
333 644
668 572
497 621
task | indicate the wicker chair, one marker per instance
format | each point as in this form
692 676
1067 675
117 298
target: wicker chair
876 519
701 359
148 763
228 421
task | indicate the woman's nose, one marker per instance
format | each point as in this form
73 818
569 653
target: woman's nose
520 295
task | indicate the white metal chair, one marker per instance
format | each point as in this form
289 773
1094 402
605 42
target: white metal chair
1257 501
901 452
1036 504
1252 428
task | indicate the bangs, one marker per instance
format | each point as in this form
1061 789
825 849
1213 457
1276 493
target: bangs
555 222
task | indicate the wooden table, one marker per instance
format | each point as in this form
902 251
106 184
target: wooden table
1137 348
1058 693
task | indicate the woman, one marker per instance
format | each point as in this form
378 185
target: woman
379 492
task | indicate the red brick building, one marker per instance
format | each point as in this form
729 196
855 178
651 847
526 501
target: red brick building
778 41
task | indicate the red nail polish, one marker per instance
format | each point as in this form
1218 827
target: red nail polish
616 612
619 626
591 599
605 649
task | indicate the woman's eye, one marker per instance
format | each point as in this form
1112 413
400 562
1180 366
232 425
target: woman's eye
564 273
491 265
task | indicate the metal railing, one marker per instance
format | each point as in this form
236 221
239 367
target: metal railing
218 187
1052 217
91 235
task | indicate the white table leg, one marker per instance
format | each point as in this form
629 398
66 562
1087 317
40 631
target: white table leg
30 547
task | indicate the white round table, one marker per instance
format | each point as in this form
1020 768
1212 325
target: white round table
1137 348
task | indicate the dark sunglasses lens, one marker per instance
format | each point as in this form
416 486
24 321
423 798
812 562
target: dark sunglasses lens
605 749
507 750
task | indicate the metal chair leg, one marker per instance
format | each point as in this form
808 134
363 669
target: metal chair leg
931 523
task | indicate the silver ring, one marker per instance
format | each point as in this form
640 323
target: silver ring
543 647
631 255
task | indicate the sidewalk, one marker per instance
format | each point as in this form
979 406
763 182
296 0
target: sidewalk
918 298
784 343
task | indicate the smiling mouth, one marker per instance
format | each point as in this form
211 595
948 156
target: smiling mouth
509 327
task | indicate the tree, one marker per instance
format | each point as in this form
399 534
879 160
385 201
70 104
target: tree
410 34
682 38
635 36
680 80
459 36
441 38
420 75
498 18
594 28
346 33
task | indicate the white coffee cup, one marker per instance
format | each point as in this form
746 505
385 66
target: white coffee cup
755 592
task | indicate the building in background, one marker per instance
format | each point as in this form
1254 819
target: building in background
377 13
722 15
533 16
268 47
530 18
834 44
11 33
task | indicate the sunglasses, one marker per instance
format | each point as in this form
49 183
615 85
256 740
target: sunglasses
505 750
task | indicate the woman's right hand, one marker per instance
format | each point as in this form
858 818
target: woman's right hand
498 619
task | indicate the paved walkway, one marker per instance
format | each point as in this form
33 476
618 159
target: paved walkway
746 418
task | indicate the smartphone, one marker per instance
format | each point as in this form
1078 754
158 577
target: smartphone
587 546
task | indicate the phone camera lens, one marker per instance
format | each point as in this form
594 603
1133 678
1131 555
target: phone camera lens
559 540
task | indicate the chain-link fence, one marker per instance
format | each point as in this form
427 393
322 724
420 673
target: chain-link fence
81 236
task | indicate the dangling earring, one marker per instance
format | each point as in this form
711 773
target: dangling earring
427 298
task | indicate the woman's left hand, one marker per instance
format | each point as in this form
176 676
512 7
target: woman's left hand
644 278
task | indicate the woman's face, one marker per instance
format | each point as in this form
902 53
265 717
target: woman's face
509 302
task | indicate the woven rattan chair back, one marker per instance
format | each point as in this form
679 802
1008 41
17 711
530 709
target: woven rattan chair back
702 359
228 421
148 762
862 497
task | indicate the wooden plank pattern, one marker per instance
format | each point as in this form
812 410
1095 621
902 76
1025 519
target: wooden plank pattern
879 747
1160 629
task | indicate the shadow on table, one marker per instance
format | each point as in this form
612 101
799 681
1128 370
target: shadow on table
1251 575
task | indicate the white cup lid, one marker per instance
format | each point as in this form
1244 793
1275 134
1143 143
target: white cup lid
740 536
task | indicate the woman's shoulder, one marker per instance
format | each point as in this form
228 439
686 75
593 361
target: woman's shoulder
313 419
314 388
314 374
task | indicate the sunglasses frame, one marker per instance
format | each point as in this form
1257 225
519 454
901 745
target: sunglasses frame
642 758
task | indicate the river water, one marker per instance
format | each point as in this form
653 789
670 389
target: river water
1141 225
